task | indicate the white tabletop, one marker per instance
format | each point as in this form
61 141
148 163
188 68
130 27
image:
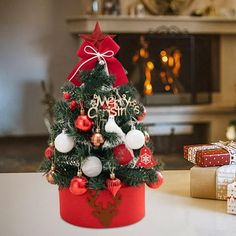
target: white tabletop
29 207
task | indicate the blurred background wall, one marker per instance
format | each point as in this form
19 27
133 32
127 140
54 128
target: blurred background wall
35 45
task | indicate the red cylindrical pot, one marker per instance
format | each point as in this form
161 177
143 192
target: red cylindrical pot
102 210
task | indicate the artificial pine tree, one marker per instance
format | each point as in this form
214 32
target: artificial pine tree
97 141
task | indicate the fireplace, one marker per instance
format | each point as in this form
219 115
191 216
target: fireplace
202 111
171 68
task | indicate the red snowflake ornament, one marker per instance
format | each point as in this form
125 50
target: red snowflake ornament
146 158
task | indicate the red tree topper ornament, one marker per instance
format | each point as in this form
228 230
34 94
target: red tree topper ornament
113 184
96 37
146 158
104 52
159 181
78 185
122 154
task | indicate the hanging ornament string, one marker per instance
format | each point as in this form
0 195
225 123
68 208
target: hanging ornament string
111 168
100 56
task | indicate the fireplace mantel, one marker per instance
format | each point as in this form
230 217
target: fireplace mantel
222 110
128 24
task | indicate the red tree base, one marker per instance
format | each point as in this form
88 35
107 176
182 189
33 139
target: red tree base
102 210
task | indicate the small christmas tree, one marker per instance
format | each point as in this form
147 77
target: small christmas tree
98 141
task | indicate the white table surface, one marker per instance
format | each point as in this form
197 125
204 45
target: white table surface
29 207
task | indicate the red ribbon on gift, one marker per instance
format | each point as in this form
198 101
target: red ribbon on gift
90 55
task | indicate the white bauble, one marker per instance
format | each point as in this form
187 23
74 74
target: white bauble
92 166
231 133
134 139
64 143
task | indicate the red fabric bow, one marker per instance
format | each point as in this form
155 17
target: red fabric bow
90 55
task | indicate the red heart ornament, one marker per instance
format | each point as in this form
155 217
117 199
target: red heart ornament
78 185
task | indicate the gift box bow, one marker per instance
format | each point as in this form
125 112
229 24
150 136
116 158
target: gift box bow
230 147
104 54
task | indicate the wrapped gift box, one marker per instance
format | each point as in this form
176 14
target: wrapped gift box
224 175
190 151
217 154
203 182
231 198
212 157
211 182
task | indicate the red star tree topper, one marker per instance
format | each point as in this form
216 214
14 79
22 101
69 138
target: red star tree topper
96 37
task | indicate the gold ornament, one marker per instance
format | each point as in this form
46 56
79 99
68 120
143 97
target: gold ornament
97 138
50 175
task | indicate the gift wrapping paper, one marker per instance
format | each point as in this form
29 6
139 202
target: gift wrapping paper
203 182
190 151
216 154
211 182
231 198
224 175
213 157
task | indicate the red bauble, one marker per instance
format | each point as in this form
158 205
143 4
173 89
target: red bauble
83 122
146 158
48 152
73 105
159 181
66 95
78 185
122 154
140 117
113 185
